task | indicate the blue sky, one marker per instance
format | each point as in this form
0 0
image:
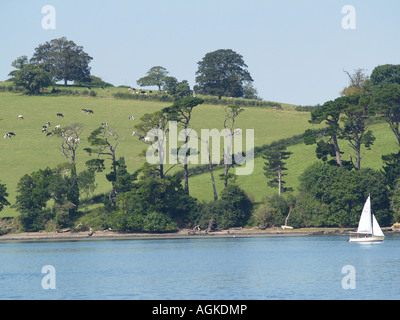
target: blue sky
296 50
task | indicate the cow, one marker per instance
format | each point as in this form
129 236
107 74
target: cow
105 124
90 111
48 134
20 117
60 115
57 127
84 110
7 135
11 133
134 133
131 117
47 124
44 129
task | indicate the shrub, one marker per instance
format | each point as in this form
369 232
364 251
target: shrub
157 222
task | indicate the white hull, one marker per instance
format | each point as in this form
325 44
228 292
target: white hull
367 240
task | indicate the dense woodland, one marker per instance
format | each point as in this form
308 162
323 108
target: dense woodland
152 199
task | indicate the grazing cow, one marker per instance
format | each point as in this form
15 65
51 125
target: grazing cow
7 135
57 127
11 133
90 111
105 124
131 117
60 115
44 129
47 124
84 110
134 133
20 117
48 134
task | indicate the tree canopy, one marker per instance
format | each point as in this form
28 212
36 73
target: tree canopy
155 77
222 73
29 76
64 60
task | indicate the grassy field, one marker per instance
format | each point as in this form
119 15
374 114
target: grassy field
31 150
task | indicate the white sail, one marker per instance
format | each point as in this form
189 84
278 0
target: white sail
376 228
365 224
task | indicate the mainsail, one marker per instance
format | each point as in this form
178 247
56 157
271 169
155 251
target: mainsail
365 224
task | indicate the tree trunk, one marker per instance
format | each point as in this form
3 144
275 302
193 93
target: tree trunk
280 181
337 150
211 173
65 83
185 166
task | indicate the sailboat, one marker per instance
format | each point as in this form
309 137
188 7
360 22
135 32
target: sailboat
368 227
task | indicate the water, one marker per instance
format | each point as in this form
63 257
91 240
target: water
202 269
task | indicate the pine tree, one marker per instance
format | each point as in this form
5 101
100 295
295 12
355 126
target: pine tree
275 167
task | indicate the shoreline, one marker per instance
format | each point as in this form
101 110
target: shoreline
182 234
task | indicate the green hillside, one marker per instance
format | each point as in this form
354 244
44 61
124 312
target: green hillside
31 150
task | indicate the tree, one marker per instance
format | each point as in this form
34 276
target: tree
222 73
330 113
31 200
250 92
359 83
29 76
87 182
237 208
155 77
274 168
64 60
385 75
104 142
155 123
395 202
153 205
340 195
357 112
3 197
387 101
70 137
181 111
231 113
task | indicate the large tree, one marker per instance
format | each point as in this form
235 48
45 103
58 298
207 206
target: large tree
181 112
385 75
155 77
222 73
29 76
104 142
357 111
329 113
65 60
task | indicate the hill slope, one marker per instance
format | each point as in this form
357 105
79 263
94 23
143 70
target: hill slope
31 150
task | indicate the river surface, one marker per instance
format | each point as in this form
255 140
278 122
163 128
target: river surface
299 268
